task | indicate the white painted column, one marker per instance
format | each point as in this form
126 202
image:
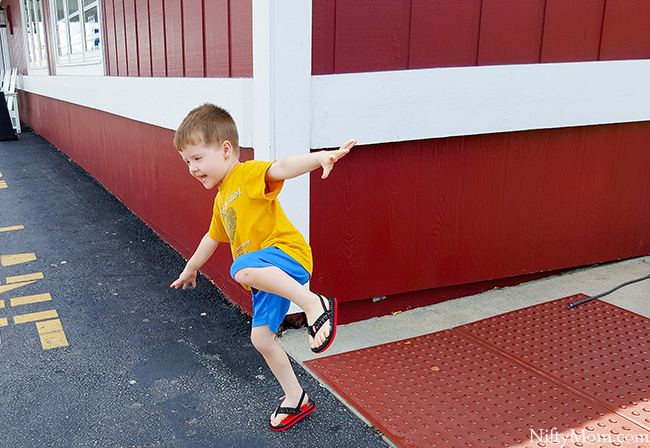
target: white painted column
282 95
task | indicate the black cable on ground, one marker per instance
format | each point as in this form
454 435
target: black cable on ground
598 296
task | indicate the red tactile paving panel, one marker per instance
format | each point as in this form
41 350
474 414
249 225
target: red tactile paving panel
596 348
449 389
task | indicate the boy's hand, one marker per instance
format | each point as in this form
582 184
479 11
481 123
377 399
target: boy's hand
186 278
329 158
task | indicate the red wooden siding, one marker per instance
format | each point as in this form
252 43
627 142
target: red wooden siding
572 30
626 30
120 37
443 33
379 30
174 38
15 36
510 32
191 38
139 164
130 27
241 38
374 35
217 53
432 214
157 38
193 32
110 37
143 41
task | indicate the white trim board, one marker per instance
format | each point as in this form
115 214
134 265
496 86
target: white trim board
161 102
391 106
422 104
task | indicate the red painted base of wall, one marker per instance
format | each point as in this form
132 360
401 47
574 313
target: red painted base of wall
368 308
139 164
431 214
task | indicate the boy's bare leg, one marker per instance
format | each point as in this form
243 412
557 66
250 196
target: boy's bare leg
274 280
264 341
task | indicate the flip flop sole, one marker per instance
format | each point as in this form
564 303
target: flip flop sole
292 420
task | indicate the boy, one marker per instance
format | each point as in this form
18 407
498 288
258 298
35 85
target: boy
271 258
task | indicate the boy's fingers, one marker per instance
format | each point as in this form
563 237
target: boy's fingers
349 144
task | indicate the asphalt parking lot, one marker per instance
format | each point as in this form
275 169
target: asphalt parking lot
98 351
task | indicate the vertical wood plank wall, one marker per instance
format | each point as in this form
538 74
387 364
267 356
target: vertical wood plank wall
374 35
178 38
436 213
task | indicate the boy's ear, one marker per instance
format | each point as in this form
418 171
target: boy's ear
226 147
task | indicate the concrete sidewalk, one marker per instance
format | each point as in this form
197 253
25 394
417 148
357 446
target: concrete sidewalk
420 321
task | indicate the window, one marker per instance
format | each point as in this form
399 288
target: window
77 31
34 33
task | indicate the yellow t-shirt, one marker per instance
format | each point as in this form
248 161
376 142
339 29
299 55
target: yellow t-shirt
247 214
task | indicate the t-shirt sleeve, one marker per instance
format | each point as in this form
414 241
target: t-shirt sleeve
256 185
217 231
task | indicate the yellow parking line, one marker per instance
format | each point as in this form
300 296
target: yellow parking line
26 300
3 322
3 184
10 260
7 229
2 303
51 333
25 278
5 288
33 317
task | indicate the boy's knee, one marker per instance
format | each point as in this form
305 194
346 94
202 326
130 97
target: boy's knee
243 276
262 341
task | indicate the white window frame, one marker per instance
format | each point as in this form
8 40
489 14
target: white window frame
83 62
34 34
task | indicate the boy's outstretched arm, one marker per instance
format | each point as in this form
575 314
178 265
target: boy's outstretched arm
206 248
294 166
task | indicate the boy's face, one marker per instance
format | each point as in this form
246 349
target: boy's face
209 165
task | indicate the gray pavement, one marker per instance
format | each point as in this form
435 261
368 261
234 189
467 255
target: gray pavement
133 362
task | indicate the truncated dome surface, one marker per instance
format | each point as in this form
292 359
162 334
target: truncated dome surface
542 376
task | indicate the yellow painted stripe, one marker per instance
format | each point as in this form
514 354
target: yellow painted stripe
26 300
33 317
3 322
51 333
25 278
10 260
2 303
5 288
3 184
7 229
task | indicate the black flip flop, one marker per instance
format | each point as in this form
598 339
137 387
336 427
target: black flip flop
294 414
332 316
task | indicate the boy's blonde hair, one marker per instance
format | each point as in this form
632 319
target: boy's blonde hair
208 125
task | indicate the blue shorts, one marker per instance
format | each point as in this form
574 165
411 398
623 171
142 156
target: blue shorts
270 309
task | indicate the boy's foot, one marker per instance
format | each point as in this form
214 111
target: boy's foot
322 334
285 417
